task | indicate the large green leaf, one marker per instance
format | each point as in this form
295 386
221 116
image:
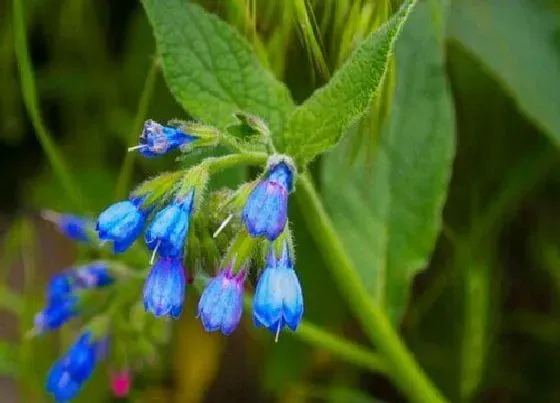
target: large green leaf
318 124
211 70
388 211
518 41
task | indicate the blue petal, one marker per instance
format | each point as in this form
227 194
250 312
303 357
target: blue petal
56 314
159 227
67 392
93 275
293 299
164 290
54 375
232 309
59 288
208 299
267 302
266 211
60 383
157 139
282 175
169 228
75 227
221 303
122 223
80 359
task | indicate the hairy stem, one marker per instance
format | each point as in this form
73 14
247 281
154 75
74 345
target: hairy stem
336 345
341 348
217 164
401 365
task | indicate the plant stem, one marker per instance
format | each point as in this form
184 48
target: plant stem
217 164
402 367
31 104
342 348
336 345
143 104
230 142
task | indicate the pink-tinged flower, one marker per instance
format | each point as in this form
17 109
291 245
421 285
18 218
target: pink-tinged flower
120 383
221 303
266 210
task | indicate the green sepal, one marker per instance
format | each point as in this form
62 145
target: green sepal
237 200
158 190
196 178
278 243
99 326
241 251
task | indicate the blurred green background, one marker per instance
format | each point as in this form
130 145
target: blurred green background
484 317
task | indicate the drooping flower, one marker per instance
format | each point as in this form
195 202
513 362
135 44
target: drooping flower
278 300
169 228
266 210
59 287
120 383
157 139
164 290
62 301
67 375
56 314
74 227
93 276
121 223
221 303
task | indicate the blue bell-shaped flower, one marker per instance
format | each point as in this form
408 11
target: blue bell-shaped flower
157 139
121 223
221 303
56 314
67 375
266 210
278 299
164 290
169 228
74 227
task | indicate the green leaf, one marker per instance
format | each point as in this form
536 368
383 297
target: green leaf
210 68
11 301
318 124
518 42
388 211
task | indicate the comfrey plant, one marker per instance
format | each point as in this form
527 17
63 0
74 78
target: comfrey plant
218 238
223 233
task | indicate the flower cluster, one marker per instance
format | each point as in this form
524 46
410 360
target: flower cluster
278 299
164 209
123 222
67 375
62 294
